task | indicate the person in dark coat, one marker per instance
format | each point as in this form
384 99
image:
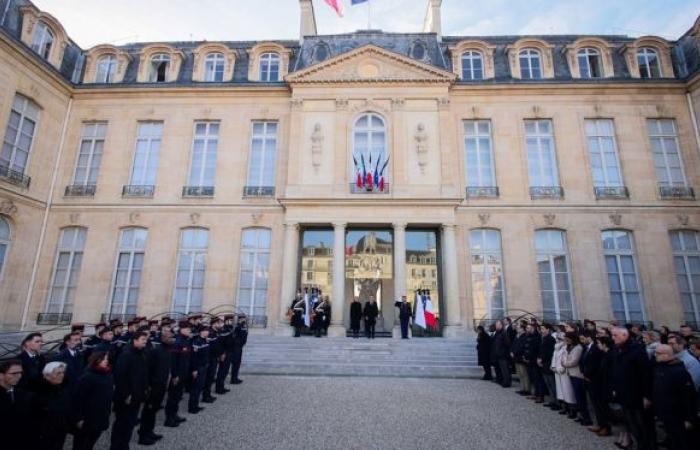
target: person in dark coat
326 315
179 374
500 350
298 308
226 336
17 408
216 355
370 313
159 365
544 361
631 387
92 341
673 397
483 351
600 387
72 357
405 314
355 317
199 362
531 350
92 401
54 402
131 389
240 338
33 362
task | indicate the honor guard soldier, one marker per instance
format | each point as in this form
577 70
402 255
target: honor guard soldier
216 356
198 368
153 331
196 323
226 339
179 373
240 337
298 308
92 341
159 364
119 340
80 329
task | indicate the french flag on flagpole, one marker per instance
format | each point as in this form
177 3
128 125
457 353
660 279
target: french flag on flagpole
337 6
425 318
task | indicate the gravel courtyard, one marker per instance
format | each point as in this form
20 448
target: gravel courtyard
277 412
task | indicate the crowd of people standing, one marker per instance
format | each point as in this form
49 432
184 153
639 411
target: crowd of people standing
639 380
128 372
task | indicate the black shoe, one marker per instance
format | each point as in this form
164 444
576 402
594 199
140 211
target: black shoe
209 399
222 391
179 419
145 440
196 410
171 423
236 381
155 436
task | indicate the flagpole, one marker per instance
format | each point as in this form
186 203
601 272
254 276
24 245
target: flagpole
369 14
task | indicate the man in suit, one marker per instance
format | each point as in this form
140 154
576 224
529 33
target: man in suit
33 362
589 364
17 407
370 312
72 357
405 314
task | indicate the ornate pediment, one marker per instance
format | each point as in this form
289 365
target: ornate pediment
370 64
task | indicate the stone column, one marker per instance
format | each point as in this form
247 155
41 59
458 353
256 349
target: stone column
399 268
289 275
338 299
453 327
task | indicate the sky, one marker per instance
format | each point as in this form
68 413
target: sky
92 22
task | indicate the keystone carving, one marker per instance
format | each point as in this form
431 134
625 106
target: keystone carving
549 219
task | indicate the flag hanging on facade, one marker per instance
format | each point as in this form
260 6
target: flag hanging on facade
337 6
425 318
430 319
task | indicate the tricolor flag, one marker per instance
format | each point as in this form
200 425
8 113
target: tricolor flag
424 312
337 6
307 310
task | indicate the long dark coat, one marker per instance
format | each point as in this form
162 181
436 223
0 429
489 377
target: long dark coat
355 314
93 399
371 311
483 349
500 346
631 375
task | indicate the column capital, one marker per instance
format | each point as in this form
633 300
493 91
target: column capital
448 226
339 224
399 225
293 225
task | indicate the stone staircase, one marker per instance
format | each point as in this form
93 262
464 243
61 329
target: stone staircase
339 356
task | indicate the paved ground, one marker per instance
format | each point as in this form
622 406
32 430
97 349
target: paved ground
279 412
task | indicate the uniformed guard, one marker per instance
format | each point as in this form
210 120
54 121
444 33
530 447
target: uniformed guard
240 337
179 373
226 338
319 316
198 368
92 341
297 320
159 368
153 331
216 355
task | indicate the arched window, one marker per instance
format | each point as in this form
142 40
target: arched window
64 281
4 241
589 63
160 64
269 67
686 259
106 69
191 268
214 66
127 272
19 135
648 62
623 280
530 64
488 290
554 275
254 273
369 145
43 39
472 65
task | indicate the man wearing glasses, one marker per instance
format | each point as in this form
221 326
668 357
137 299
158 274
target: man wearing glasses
17 406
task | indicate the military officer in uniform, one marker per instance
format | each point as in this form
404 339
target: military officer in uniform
198 368
240 337
179 374
216 356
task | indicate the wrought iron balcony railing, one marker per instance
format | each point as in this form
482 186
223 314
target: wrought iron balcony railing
80 190
611 192
54 318
198 191
677 192
137 190
123 318
539 192
14 177
259 191
482 192
369 190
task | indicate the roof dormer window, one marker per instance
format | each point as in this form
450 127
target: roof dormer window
214 67
106 69
43 40
648 62
160 64
269 67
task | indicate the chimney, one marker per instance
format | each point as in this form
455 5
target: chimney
433 21
307 25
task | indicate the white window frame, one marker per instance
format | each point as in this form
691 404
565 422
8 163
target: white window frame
600 137
469 73
684 254
256 269
618 253
488 287
647 58
153 142
267 60
72 251
661 136
549 254
540 136
28 111
527 70
210 145
155 63
214 64
5 240
258 180
476 136
369 130
106 69
193 252
43 40
585 68
92 133
130 251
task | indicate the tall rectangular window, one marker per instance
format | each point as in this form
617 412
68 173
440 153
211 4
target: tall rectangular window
19 134
625 292
191 267
4 241
686 259
64 280
541 154
663 135
87 166
254 273
479 153
263 155
602 149
204 147
554 275
127 273
488 292
150 135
